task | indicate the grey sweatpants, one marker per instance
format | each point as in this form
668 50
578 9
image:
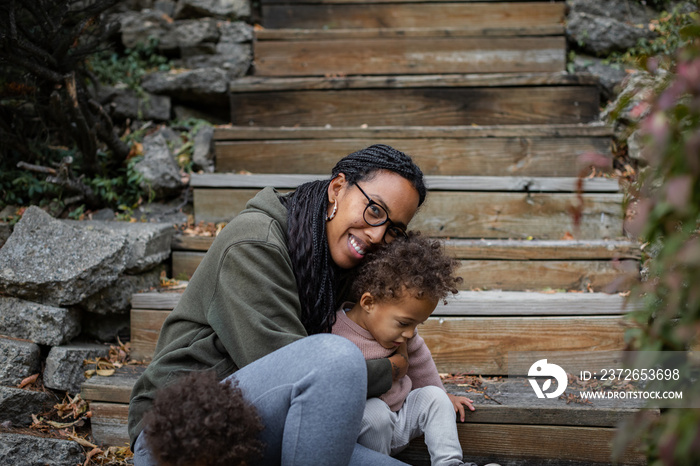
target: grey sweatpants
427 411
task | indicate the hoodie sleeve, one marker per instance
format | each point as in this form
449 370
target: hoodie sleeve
421 367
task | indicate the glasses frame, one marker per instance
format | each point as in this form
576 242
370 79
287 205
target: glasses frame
392 226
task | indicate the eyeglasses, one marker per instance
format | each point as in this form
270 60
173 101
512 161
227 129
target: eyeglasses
375 215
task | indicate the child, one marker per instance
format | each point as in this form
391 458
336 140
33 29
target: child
395 289
197 421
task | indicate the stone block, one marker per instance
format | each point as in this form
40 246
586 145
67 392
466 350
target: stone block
148 244
65 370
116 299
18 360
18 405
50 262
22 449
45 325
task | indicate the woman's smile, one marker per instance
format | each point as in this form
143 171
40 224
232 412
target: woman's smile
357 245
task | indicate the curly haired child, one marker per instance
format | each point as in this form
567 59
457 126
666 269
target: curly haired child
199 421
396 288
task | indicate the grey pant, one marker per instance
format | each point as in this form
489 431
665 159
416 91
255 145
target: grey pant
427 411
310 395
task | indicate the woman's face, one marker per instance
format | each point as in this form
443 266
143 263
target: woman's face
349 236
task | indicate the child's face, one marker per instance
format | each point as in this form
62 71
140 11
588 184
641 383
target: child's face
394 321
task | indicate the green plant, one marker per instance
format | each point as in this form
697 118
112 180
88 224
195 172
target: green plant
668 220
675 29
112 68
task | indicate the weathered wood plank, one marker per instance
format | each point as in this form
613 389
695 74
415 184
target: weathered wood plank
415 133
293 2
484 156
469 303
508 275
434 183
271 84
145 329
387 56
367 33
480 345
494 249
417 106
517 445
477 345
115 388
343 16
471 215
539 275
109 423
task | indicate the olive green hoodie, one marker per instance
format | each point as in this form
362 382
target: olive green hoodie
240 305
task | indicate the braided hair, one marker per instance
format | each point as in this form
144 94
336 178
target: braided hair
316 273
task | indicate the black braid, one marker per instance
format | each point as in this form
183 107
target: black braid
316 273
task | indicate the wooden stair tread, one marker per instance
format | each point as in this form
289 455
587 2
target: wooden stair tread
274 84
408 32
472 303
506 249
433 183
518 404
317 56
231 132
369 14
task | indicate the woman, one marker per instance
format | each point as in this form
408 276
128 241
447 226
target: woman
272 278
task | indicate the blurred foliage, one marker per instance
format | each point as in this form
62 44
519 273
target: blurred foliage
667 219
112 68
675 28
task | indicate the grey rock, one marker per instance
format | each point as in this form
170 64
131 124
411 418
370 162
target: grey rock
45 325
631 104
172 137
610 76
29 450
138 27
18 360
148 244
49 262
104 214
5 232
203 155
235 32
190 33
165 6
116 299
18 405
126 103
621 10
201 86
65 370
235 59
635 146
601 35
159 169
213 8
106 327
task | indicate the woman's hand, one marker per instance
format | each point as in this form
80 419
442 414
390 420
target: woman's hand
399 362
459 402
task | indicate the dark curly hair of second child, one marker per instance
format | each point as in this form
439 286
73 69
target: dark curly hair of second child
197 420
417 265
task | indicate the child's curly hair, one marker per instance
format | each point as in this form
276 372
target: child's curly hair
198 420
417 265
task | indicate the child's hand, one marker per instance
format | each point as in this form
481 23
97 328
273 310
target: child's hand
459 402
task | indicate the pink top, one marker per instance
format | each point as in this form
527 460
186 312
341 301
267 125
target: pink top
421 367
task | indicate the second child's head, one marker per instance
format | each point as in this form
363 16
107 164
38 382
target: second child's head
398 286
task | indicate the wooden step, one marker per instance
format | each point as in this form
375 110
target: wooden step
427 100
509 423
472 214
332 15
517 150
474 332
335 52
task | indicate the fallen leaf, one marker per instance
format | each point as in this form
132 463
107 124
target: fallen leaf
28 381
105 372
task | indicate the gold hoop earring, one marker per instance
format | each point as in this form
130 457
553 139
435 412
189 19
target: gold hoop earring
335 210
